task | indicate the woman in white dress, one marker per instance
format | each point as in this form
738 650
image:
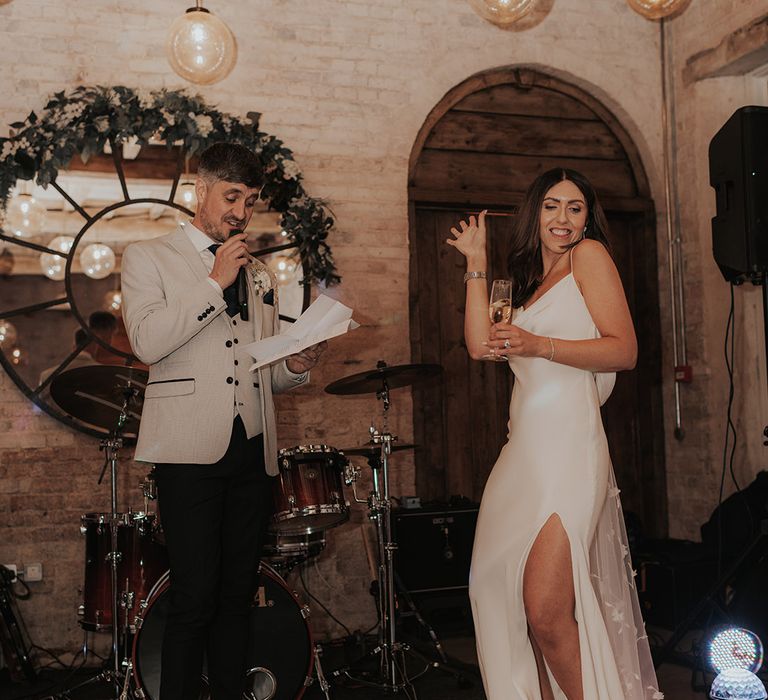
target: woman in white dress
552 589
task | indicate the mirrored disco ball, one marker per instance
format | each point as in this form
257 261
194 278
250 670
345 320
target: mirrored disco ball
737 684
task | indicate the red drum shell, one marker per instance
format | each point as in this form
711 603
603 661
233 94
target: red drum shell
142 562
308 492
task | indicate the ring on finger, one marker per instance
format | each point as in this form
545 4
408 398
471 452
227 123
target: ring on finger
507 344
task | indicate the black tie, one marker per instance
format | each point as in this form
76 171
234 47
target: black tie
230 293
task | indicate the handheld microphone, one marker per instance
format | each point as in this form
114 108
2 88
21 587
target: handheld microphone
242 287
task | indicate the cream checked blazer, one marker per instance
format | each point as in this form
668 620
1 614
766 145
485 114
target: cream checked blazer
178 325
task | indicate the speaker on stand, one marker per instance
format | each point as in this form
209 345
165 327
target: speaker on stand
738 171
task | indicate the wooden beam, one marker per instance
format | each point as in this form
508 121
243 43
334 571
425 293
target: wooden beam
502 200
738 53
529 78
525 101
152 163
457 171
512 134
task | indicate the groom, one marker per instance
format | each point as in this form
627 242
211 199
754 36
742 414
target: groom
208 423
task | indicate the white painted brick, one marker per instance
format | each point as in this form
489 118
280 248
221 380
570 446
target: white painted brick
347 84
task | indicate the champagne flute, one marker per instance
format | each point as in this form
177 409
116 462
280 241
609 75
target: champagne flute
500 309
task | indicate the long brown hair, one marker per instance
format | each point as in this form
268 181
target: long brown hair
524 262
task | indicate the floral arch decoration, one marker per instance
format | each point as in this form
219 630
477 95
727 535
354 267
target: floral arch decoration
89 120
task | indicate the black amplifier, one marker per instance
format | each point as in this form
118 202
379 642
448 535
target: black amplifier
434 547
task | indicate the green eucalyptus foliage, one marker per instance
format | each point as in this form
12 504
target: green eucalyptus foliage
81 121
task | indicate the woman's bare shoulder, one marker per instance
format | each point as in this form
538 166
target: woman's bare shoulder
590 255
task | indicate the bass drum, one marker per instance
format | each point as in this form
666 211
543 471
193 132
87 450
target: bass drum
280 656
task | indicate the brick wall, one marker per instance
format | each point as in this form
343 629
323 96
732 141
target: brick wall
695 464
347 85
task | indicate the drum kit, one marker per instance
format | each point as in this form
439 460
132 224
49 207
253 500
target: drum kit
126 581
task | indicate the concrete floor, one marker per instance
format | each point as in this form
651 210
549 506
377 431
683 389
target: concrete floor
674 681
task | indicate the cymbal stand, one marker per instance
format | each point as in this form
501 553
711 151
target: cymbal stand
117 675
392 663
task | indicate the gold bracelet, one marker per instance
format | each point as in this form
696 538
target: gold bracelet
551 349
474 276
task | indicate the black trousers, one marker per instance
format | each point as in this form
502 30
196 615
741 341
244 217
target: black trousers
214 518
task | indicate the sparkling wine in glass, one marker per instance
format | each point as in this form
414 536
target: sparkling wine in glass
500 309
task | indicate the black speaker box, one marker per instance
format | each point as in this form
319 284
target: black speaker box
738 170
434 547
672 577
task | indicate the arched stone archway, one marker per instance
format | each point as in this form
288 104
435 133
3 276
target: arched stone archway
479 148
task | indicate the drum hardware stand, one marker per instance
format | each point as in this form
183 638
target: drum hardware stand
118 675
444 663
392 663
325 686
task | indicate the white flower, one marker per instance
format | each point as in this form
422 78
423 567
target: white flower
656 695
291 169
613 491
298 201
8 150
262 278
204 124
146 98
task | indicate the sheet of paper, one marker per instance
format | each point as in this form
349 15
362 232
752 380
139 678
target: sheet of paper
326 318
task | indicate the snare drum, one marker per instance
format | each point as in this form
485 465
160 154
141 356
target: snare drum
141 562
308 491
280 655
283 552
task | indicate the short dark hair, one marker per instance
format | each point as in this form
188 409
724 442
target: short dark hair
231 162
524 262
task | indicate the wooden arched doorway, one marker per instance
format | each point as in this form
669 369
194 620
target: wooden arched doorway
479 148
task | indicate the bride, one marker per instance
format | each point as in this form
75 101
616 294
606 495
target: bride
552 589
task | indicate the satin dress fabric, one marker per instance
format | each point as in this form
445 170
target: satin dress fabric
556 462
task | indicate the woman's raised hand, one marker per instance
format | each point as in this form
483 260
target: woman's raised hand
469 238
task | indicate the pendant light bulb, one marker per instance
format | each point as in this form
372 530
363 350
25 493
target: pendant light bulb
503 12
200 47
658 9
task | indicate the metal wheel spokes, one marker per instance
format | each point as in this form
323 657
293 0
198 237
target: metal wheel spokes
47 317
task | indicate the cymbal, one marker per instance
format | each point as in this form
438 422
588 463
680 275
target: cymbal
373 380
95 395
371 449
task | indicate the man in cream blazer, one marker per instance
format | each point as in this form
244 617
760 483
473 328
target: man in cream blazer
208 423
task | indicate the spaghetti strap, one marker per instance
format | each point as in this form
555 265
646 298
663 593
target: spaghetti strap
570 258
